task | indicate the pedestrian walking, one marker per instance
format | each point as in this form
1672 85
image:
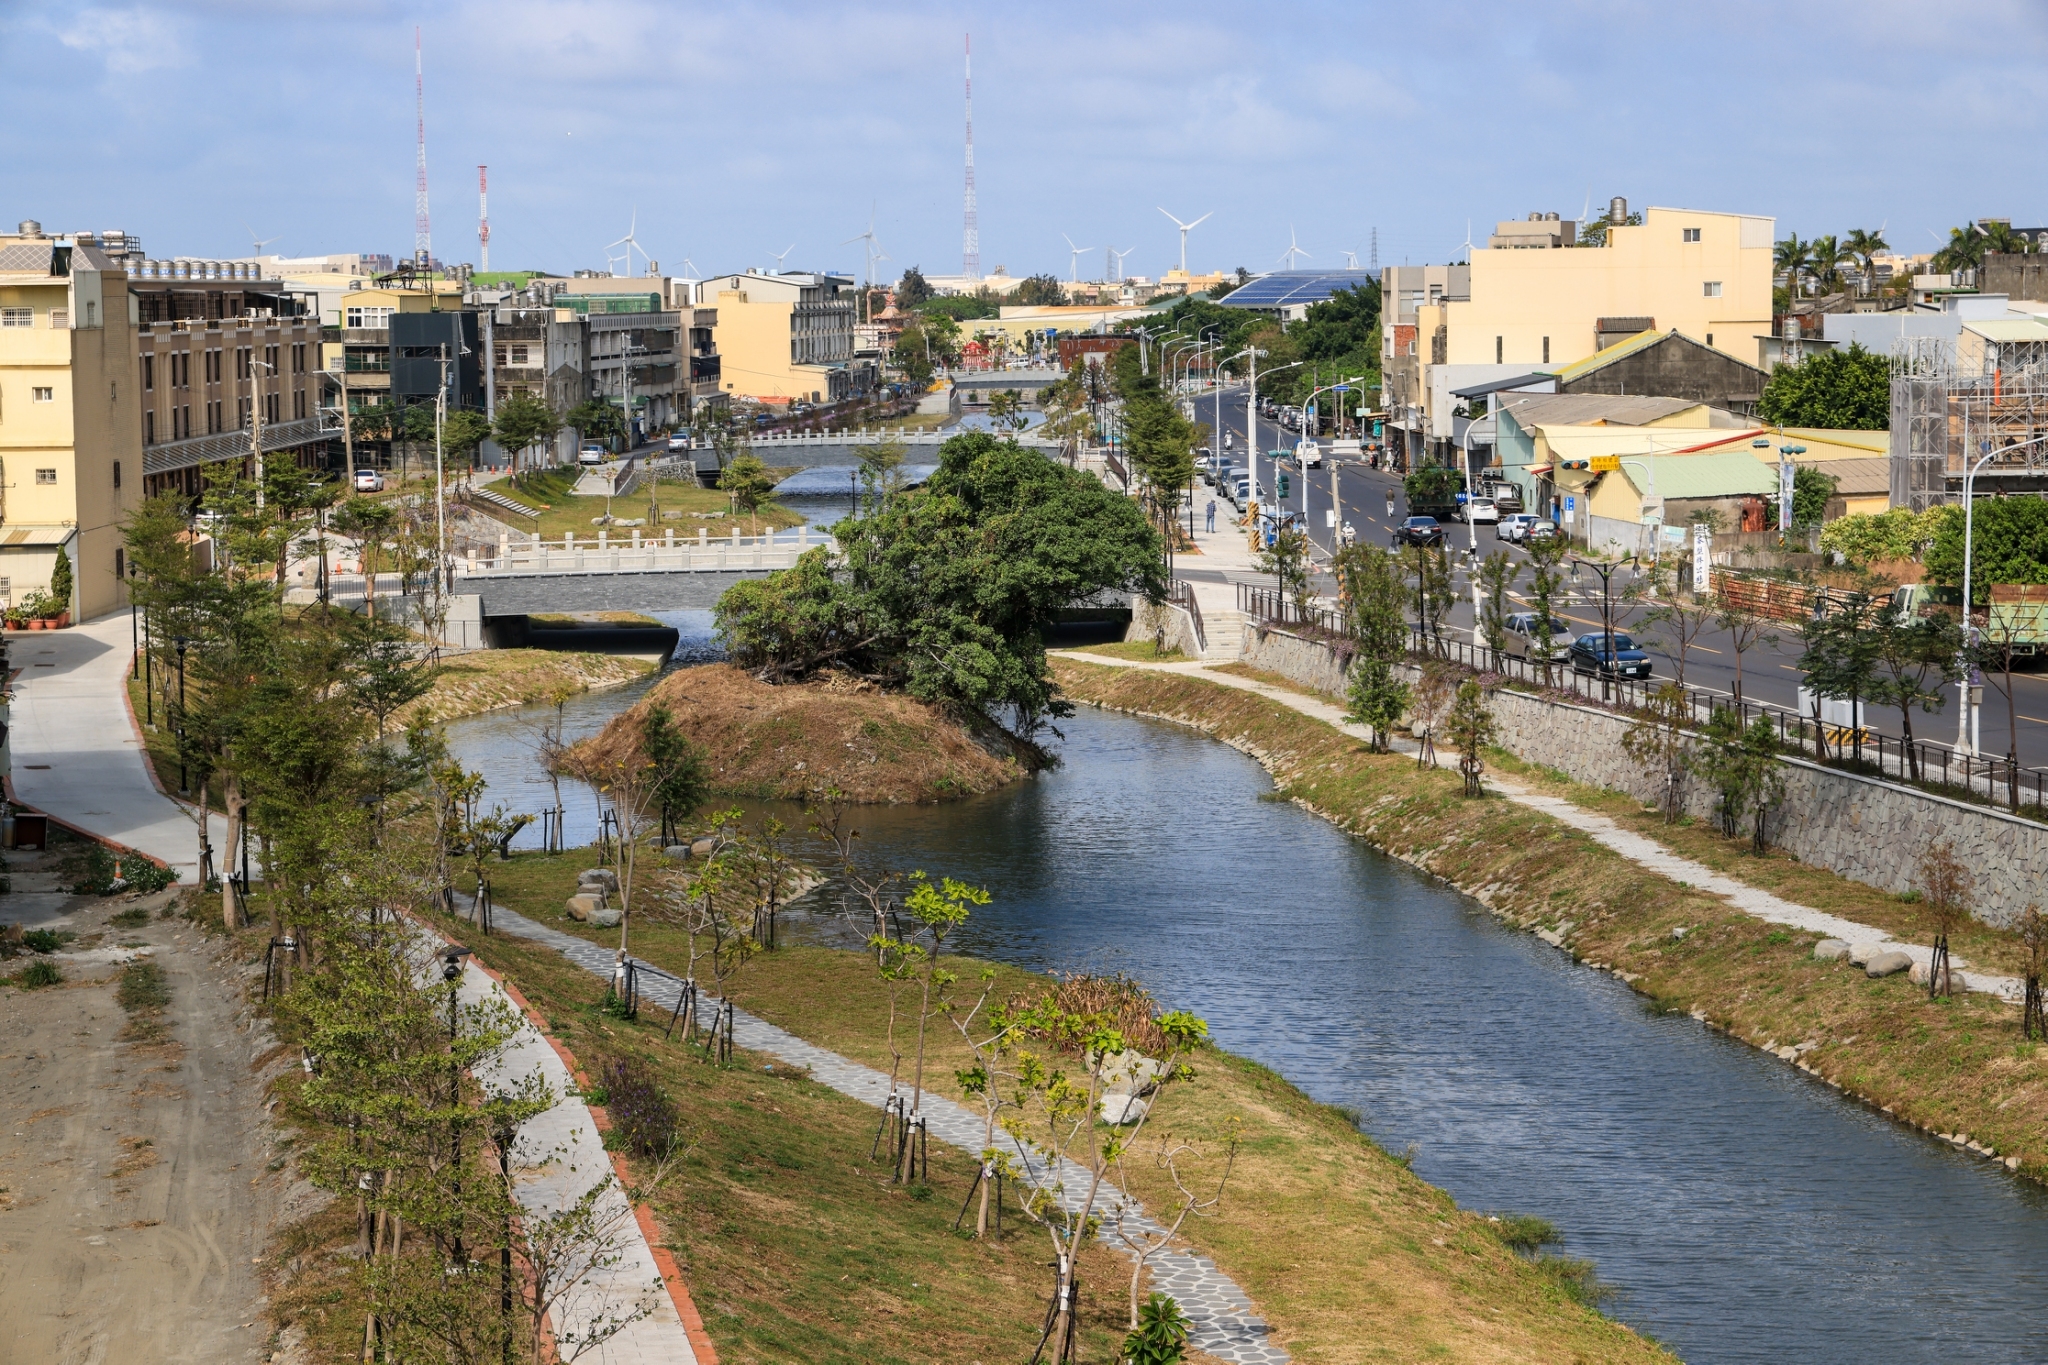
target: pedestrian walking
1390 504
1212 516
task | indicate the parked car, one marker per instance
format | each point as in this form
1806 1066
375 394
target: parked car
369 481
1527 638
1515 528
678 442
1482 512
1506 497
1419 531
1590 655
591 453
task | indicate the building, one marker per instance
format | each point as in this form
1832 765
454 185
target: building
1547 297
788 337
1671 365
1289 294
357 355
70 431
224 364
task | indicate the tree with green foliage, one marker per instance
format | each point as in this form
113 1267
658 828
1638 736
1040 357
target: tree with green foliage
982 304
62 584
1429 567
1811 489
1840 661
524 422
1158 439
1741 764
1846 388
1039 291
1286 558
1658 740
951 591
682 772
2008 544
1912 660
462 432
598 419
912 290
1497 574
1546 580
911 355
1470 728
1866 537
747 481
1160 1334
1863 247
1372 594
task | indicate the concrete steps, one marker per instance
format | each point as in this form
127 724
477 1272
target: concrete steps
1222 634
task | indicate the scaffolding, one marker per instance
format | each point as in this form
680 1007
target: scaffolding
1956 400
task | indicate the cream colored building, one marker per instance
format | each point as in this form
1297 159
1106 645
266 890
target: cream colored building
787 336
1707 275
70 437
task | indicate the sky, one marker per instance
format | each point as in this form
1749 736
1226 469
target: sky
725 133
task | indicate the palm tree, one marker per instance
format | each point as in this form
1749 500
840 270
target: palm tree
1864 246
1795 258
1828 256
1965 250
1999 236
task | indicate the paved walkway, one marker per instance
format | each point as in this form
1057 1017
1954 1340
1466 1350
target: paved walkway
1638 848
1225 1324
75 754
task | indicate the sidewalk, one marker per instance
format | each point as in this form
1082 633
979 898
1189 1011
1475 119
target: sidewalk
76 753
1645 852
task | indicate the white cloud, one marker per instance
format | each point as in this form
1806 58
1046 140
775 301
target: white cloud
129 41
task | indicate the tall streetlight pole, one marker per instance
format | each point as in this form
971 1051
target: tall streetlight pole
1605 568
1966 730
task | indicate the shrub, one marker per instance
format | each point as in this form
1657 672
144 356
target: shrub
41 940
643 1116
41 972
1161 1337
137 874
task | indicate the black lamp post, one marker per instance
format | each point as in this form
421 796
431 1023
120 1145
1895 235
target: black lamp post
184 783
1605 568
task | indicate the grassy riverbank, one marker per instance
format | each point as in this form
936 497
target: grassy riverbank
685 505
1346 1252
1950 1066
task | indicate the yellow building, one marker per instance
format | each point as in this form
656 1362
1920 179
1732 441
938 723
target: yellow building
70 433
1707 275
788 336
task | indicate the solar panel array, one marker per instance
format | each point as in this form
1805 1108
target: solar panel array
1283 288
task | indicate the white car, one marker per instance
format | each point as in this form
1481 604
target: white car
1482 512
678 442
369 481
591 453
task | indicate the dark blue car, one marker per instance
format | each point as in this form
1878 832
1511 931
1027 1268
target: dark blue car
1589 655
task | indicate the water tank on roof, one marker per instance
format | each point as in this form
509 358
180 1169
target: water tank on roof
31 228
1617 212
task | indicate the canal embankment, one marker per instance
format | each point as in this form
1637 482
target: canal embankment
1956 1068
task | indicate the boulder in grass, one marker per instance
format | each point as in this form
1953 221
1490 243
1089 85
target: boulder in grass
583 907
1921 970
677 851
1122 1107
1830 950
703 848
605 919
1888 964
598 876
1861 953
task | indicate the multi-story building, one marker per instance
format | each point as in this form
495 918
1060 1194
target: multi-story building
358 353
633 347
1411 301
788 337
70 448
216 359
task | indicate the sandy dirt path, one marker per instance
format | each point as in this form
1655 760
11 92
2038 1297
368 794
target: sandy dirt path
138 1193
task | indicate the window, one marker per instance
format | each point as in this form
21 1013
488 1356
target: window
149 427
519 355
117 480
1692 234
243 357
149 374
271 409
1710 338
92 313
1546 350
299 403
17 317
242 413
43 395
368 316
60 318
270 358
1497 350
1713 289
299 358
46 476
120 558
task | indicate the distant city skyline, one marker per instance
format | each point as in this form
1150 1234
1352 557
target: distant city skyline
733 131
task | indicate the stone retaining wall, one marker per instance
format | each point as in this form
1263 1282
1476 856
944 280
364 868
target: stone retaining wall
1870 831
1180 627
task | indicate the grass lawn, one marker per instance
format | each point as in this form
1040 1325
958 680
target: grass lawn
1343 1249
1952 1065
561 512
1144 650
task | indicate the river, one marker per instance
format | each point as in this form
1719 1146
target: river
1742 1211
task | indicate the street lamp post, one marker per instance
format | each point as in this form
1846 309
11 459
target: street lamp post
184 780
1650 482
1966 737
1605 568
451 972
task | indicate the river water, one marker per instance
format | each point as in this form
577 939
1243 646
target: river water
1743 1211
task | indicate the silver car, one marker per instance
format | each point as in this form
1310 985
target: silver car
1526 637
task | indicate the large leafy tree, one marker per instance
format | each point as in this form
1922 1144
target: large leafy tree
1040 291
912 290
950 591
2008 544
1846 389
524 422
598 420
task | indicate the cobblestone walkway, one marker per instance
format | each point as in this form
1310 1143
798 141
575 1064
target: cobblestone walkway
1635 847
1225 1326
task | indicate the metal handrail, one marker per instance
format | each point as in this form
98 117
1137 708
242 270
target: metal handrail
1183 596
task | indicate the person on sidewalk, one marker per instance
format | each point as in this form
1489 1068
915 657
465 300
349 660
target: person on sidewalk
1212 516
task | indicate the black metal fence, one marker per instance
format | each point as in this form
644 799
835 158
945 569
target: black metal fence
1183 596
1978 777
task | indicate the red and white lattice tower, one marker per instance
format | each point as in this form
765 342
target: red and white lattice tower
483 219
422 233
970 247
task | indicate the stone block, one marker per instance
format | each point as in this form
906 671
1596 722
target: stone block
1122 1107
1127 1070
1861 953
703 848
1830 950
1888 964
676 851
598 876
605 919
583 907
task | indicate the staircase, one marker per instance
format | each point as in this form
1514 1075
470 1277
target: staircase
1222 634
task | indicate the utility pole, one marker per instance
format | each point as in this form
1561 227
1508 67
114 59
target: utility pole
256 423
483 220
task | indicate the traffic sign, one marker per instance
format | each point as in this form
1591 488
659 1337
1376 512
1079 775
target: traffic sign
1605 464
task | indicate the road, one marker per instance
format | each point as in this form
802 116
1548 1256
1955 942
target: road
1769 671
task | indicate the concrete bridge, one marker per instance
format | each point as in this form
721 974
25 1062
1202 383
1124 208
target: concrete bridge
845 446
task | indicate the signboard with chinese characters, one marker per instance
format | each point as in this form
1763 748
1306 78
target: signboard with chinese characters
1702 557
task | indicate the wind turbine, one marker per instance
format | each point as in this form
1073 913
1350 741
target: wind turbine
1114 262
630 242
1468 241
1350 259
781 256
262 242
1074 265
1185 229
1293 250
873 247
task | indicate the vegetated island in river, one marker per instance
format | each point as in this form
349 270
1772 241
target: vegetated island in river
912 665
795 740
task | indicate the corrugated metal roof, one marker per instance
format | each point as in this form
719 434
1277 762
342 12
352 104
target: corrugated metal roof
1710 475
1640 341
1531 410
2008 329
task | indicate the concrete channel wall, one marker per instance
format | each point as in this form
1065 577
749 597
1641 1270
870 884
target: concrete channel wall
1870 831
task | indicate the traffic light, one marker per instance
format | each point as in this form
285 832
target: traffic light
1283 485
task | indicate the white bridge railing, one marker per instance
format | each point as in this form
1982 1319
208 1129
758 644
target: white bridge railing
634 552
